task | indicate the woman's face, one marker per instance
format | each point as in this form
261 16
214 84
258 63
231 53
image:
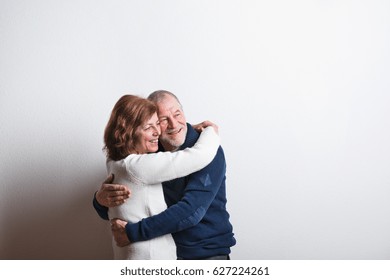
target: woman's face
148 136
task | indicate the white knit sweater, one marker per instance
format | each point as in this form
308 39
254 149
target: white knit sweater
144 174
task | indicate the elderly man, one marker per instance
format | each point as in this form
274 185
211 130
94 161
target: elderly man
197 217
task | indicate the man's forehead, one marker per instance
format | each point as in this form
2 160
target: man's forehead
165 107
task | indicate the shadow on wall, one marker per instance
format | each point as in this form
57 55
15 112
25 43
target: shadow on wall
46 222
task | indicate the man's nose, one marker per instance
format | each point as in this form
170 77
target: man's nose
172 122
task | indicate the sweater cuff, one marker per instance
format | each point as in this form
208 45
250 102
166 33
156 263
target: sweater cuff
100 209
132 232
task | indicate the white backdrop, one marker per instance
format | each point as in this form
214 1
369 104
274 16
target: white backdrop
300 90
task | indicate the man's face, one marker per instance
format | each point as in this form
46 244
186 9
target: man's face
172 123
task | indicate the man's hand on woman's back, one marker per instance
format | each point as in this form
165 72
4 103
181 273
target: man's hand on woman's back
111 195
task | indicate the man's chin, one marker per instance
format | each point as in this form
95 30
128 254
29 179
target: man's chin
173 142
176 142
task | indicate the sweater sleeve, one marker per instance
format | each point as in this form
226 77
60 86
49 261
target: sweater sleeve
200 191
164 166
100 209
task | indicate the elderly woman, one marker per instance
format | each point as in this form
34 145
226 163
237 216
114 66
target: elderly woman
131 142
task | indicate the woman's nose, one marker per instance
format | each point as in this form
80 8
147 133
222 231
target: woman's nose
156 131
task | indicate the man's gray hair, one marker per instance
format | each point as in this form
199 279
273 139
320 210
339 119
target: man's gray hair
159 95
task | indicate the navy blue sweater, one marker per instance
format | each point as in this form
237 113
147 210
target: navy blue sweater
196 214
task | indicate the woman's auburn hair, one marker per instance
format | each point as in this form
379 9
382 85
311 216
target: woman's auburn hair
121 133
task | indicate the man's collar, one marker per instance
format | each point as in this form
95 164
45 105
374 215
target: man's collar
191 137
